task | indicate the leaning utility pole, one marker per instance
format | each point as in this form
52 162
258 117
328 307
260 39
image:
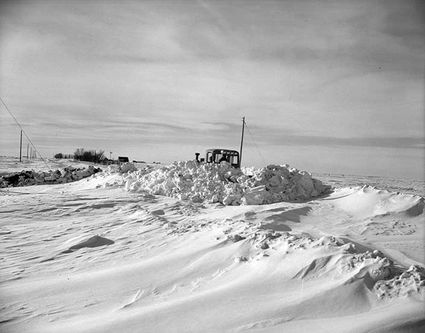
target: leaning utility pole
240 152
20 149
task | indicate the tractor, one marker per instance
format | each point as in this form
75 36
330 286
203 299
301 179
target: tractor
219 155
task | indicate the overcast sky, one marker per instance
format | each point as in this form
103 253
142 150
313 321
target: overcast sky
326 86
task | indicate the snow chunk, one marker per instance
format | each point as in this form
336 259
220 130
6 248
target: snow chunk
411 281
127 167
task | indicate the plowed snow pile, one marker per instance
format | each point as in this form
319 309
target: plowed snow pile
59 176
222 183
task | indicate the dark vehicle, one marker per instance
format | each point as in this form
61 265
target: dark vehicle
122 159
107 161
219 155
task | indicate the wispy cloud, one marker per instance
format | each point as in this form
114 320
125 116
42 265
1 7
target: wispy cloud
177 72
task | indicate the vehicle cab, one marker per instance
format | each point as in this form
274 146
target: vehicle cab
218 155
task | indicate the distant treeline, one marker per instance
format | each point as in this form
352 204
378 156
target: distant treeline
85 155
60 155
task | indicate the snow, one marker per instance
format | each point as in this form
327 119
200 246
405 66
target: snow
92 241
221 183
368 201
58 176
189 248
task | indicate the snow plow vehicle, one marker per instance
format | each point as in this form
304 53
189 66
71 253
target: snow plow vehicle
218 155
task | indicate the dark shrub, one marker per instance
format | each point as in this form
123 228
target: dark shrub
89 155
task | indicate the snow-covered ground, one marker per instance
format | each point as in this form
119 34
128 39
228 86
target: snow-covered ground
107 254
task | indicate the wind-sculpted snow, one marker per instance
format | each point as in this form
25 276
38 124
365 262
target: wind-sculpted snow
222 183
340 260
409 282
91 256
368 201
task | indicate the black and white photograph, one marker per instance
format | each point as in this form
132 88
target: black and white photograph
212 166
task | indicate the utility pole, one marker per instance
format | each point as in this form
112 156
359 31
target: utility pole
28 147
20 149
240 152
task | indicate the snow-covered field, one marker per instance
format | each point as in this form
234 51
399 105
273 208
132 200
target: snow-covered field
108 254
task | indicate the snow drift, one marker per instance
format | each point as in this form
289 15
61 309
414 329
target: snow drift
221 183
368 201
106 255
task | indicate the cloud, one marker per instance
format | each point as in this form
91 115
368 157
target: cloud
264 136
335 73
384 142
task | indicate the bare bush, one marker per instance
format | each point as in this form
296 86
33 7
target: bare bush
89 155
61 155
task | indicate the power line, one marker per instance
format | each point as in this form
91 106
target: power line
256 147
23 131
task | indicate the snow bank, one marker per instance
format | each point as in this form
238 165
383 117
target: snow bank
221 183
31 177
